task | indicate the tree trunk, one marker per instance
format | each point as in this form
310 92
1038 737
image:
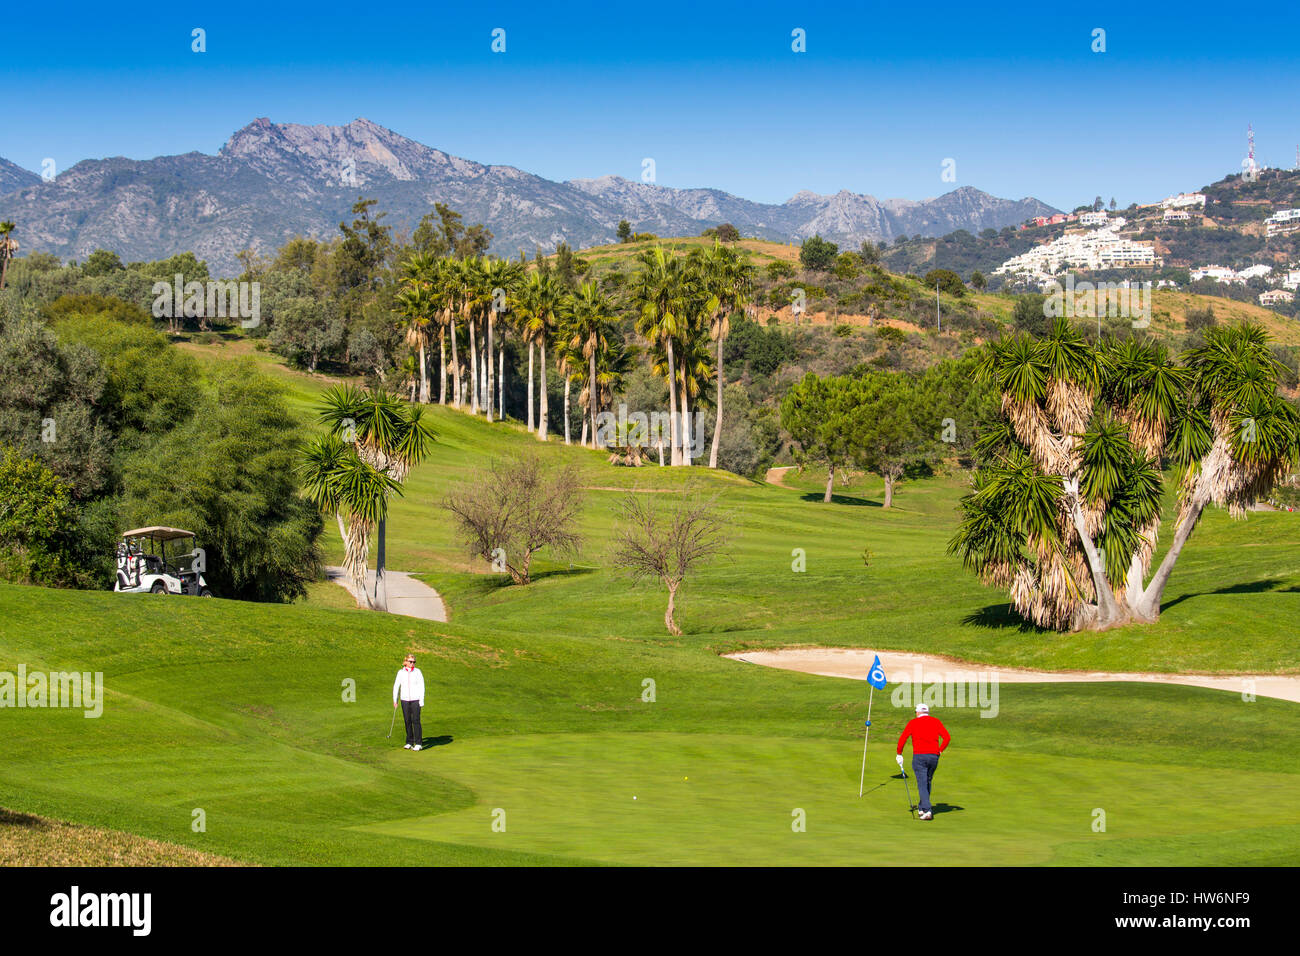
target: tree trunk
591 398
1108 611
442 366
669 621
582 443
542 422
686 429
1148 606
455 366
380 602
674 451
830 484
566 410
424 376
501 380
473 370
717 424
531 348
491 330
889 490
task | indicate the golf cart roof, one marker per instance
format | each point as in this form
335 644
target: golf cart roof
158 533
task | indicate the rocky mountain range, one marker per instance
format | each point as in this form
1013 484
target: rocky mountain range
273 181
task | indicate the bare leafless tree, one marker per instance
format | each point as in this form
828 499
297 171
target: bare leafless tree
667 539
515 508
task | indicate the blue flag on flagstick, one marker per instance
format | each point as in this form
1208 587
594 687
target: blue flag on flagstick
876 676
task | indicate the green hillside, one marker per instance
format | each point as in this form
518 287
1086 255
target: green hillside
535 700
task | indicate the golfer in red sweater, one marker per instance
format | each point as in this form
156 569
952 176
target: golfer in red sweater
929 737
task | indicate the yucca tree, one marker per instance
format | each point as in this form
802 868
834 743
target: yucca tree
541 300
388 435
339 483
8 245
662 290
591 329
729 279
1068 515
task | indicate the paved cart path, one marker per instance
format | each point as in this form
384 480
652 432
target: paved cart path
406 595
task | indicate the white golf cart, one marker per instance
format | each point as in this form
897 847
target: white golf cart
146 565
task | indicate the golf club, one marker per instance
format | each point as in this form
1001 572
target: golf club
392 723
911 808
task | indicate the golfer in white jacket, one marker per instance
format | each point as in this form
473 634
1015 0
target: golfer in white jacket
409 689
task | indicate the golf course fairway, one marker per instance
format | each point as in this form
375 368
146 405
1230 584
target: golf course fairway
257 732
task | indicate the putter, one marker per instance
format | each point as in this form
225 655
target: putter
910 807
391 724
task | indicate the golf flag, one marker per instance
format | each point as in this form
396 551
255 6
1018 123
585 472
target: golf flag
876 676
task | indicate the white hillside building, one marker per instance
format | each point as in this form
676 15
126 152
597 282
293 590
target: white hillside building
1283 221
1183 200
1097 249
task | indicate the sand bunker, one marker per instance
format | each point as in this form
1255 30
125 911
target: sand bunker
902 667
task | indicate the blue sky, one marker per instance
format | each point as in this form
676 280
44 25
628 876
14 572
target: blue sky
713 93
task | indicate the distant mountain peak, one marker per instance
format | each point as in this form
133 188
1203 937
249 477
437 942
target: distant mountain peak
272 181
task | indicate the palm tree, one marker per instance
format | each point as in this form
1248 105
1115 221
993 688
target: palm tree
591 330
728 279
501 277
8 246
389 436
417 302
661 293
541 298
568 358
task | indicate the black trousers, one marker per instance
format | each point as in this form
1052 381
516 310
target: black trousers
411 717
924 767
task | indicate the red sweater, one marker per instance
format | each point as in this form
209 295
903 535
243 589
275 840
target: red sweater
929 735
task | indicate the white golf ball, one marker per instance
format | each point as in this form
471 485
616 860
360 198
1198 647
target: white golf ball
634 798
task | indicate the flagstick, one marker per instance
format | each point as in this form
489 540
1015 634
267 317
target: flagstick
867 737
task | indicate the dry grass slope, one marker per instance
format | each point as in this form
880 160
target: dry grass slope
27 840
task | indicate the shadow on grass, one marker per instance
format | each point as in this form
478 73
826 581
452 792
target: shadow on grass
819 497
1244 587
496 582
944 807
997 617
437 741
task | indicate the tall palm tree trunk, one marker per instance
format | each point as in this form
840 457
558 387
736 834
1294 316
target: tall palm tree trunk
501 379
566 410
473 370
491 328
531 348
674 450
717 424
424 375
591 398
442 366
455 367
542 421
686 427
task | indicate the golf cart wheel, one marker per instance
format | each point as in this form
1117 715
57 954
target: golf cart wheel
158 588
205 593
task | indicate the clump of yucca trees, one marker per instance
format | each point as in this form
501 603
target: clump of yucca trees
1067 513
679 305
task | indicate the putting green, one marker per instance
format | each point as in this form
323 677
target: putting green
705 799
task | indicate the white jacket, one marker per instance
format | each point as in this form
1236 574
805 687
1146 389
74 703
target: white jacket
410 684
